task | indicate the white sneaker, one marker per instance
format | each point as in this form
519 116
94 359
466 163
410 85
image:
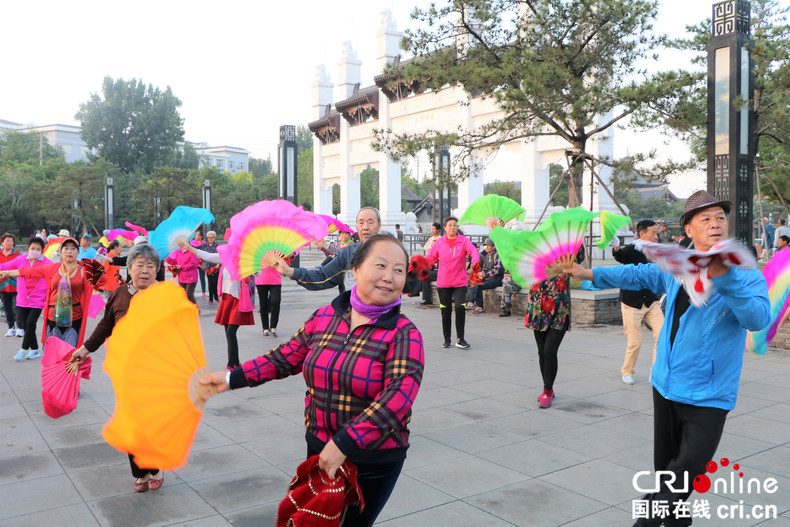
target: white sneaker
20 332
11 333
33 354
20 355
628 379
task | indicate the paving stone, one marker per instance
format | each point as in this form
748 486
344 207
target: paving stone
456 513
466 476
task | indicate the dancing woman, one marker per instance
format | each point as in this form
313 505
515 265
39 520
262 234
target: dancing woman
143 262
9 253
31 298
452 280
362 361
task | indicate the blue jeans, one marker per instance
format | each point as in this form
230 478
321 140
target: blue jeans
477 291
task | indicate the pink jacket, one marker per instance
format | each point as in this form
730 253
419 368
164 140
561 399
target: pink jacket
188 274
31 292
452 260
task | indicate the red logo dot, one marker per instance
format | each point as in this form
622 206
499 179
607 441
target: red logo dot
736 466
741 474
725 462
701 483
711 466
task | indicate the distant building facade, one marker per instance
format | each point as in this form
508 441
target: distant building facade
225 158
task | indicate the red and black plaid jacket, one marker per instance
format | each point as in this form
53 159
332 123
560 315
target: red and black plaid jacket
360 385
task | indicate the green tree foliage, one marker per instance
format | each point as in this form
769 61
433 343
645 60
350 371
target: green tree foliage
369 187
260 167
304 138
557 178
186 157
555 67
134 126
304 178
26 147
504 188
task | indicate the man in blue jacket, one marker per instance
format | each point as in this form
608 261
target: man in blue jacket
338 271
700 352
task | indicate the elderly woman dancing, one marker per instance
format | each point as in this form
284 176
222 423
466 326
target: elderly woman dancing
362 361
143 262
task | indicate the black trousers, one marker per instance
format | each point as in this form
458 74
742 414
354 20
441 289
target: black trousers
685 438
448 295
270 296
233 345
8 305
141 472
190 290
426 287
376 482
28 320
548 346
213 279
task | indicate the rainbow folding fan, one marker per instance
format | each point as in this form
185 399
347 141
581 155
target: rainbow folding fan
492 210
335 224
155 359
777 274
610 224
267 231
181 225
534 256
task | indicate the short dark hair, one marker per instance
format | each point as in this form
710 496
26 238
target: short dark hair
36 240
786 238
781 222
437 225
362 252
113 244
450 218
643 225
397 225
7 235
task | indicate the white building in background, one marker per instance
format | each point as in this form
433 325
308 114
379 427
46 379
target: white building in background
225 158
67 137
344 133
64 136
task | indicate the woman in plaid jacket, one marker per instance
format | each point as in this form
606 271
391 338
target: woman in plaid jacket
362 361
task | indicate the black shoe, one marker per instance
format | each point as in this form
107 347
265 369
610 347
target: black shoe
447 344
426 304
461 343
505 313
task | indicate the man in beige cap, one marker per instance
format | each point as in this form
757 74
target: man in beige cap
700 353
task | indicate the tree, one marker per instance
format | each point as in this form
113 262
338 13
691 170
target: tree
260 167
504 188
369 187
133 126
186 158
557 179
554 67
687 114
24 147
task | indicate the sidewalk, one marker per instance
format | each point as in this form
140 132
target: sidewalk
483 453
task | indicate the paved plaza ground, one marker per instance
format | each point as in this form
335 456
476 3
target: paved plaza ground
482 454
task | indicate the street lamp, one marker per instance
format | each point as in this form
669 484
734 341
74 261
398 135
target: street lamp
109 203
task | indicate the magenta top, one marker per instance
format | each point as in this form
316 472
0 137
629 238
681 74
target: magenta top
31 292
188 274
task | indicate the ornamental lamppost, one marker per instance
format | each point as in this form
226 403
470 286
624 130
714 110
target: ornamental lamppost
286 158
109 203
731 125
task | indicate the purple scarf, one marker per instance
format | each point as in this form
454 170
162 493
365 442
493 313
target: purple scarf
367 310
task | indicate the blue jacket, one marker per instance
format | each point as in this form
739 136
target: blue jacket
703 366
336 272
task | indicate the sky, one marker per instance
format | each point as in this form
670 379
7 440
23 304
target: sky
241 68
